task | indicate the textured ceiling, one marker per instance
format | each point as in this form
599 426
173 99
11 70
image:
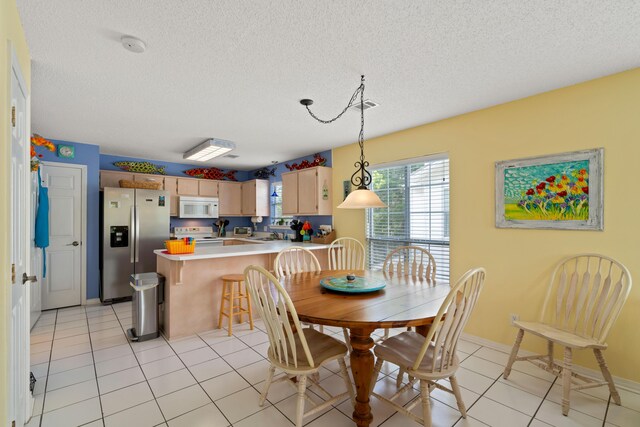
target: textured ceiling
236 69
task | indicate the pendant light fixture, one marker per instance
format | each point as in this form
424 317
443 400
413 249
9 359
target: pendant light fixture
361 197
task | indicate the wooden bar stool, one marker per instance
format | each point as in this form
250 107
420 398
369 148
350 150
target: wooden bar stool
233 292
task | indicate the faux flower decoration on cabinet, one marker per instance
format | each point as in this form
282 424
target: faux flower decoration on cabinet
39 141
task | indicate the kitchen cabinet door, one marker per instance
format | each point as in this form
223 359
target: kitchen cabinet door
290 193
171 185
208 188
255 197
112 178
230 195
188 187
307 191
249 198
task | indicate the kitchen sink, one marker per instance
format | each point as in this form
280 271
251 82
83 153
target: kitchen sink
266 239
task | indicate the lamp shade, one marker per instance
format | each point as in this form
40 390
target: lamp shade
360 199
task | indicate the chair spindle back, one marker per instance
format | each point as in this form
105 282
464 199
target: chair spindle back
346 253
451 319
294 260
586 294
411 261
275 308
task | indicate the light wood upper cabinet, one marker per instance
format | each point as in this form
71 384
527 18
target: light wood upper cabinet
290 193
307 192
112 178
188 187
250 198
255 198
230 195
171 185
208 188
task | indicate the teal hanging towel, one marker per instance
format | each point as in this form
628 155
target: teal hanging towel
42 222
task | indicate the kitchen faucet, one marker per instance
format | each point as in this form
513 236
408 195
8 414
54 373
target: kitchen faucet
276 235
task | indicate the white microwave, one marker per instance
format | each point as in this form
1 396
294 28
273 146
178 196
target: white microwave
198 207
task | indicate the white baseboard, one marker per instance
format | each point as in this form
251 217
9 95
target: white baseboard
93 301
620 382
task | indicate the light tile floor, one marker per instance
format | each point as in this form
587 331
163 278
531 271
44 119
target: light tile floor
89 374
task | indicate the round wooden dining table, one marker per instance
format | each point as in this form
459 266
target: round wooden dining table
404 301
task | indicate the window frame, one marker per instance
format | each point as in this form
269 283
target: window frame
442 244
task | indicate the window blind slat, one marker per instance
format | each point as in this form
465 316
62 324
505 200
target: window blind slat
418 214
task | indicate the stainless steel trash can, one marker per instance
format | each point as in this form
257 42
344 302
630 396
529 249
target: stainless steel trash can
147 295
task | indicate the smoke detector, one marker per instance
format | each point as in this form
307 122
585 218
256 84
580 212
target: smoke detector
367 104
133 44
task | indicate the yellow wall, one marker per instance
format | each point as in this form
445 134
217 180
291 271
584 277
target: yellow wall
11 34
599 113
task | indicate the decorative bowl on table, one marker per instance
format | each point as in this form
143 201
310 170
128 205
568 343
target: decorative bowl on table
357 284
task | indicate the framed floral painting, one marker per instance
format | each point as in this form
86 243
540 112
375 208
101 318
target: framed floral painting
560 191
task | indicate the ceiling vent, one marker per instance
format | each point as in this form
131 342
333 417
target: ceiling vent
231 156
367 105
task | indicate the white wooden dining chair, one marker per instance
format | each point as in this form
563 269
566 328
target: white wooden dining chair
346 253
431 358
409 261
298 352
293 260
584 298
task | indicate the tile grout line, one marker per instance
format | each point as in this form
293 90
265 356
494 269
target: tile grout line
606 411
196 380
95 370
44 391
61 388
236 371
141 370
542 402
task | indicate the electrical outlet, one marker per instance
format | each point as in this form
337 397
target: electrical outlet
513 318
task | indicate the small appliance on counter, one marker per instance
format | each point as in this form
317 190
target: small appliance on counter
202 235
242 231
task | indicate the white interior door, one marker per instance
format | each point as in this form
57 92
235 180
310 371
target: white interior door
35 255
62 286
19 359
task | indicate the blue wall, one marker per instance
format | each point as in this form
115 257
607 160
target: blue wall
89 155
174 169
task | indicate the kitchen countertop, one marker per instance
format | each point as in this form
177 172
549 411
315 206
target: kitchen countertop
257 248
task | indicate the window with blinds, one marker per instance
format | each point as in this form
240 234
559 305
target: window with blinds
418 198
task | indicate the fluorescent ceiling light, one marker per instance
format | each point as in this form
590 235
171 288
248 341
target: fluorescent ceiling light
209 149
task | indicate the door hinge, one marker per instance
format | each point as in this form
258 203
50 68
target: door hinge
13 274
13 116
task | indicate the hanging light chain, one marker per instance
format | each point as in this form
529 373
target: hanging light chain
361 178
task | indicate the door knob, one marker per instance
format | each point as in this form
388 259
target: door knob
26 278
73 244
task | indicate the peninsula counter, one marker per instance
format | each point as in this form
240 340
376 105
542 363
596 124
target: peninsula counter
193 284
